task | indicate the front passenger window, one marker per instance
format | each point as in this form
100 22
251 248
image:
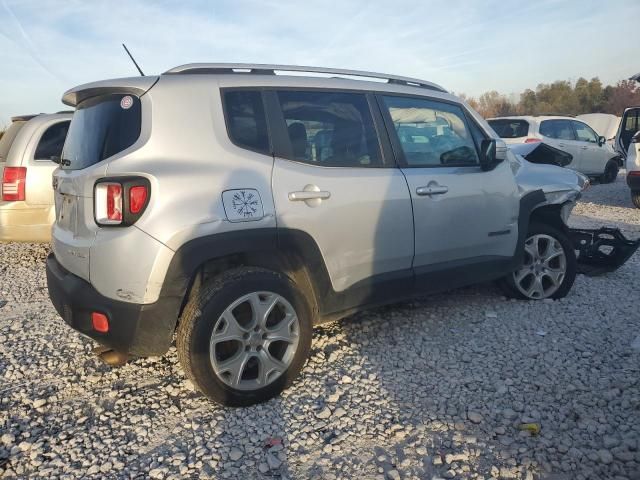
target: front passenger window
432 133
585 133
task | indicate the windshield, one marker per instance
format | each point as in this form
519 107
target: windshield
7 139
101 127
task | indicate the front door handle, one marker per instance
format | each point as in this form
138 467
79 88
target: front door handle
303 196
584 148
432 190
561 145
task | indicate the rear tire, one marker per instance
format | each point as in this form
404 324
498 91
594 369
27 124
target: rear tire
610 172
549 268
635 198
245 336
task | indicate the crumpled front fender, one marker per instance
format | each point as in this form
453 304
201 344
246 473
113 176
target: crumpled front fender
601 250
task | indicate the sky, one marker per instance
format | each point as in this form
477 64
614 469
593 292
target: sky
47 47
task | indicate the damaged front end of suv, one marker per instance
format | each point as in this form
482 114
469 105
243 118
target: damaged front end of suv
600 250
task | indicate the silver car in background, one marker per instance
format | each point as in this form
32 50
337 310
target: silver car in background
29 150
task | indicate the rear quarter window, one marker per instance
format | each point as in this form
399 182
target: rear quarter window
246 121
101 127
510 128
51 142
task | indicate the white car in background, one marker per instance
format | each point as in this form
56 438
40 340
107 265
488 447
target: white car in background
591 154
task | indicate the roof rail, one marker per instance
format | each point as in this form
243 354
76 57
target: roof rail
65 111
24 118
267 69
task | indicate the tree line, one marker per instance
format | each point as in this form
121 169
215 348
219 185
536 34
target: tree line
561 97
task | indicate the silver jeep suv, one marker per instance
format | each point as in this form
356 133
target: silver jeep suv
237 207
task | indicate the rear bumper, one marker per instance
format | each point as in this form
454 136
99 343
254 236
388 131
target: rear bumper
22 224
634 181
134 329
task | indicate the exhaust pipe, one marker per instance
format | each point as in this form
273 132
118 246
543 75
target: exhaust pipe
110 356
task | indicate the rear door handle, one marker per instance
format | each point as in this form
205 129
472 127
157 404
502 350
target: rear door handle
561 145
584 148
303 195
432 190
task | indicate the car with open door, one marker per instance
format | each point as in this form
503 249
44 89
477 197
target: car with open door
628 144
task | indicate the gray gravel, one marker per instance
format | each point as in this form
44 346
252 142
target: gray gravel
435 388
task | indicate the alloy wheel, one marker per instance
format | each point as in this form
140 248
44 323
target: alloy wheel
544 268
254 340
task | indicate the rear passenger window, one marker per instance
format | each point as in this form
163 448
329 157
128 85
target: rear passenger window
330 129
432 133
559 129
52 141
246 122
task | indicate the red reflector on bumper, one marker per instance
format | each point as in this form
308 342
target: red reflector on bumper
100 322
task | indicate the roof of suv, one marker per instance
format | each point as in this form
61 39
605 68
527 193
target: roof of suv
261 74
271 69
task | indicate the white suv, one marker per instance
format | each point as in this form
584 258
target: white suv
592 155
246 206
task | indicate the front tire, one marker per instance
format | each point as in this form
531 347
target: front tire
635 198
549 268
610 172
245 336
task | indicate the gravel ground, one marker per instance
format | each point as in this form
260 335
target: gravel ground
435 388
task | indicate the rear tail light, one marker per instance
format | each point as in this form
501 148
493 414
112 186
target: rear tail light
137 198
120 201
13 184
532 140
634 173
108 198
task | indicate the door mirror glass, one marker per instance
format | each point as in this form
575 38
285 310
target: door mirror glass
601 140
488 155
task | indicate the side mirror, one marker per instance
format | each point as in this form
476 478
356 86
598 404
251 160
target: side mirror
601 140
490 154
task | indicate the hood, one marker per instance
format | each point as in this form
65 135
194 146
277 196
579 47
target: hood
542 153
558 184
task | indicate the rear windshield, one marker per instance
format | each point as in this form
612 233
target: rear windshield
510 128
101 127
7 139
